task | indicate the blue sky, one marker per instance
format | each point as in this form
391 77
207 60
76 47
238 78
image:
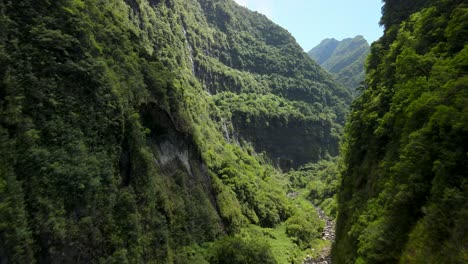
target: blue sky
311 21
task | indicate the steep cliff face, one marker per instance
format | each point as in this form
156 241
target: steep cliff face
344 59
118 141
403 197
291 143
268 88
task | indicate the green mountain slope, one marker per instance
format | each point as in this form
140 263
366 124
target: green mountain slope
344 59
403 197
274 95
129 130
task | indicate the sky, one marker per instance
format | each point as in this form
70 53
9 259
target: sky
311 21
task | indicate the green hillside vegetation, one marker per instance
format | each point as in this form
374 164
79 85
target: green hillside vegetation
403 197
254 63
320 183
124 133
343 59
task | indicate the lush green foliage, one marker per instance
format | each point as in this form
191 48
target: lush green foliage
404 190
320 181
344 59
268 104
290 132
255 244
230 249
236 250
304 226
112 149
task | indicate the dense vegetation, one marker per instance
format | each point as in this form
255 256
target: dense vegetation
273 94
319 182
344 59
404 191
126 130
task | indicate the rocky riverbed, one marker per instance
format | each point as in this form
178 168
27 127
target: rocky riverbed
327 234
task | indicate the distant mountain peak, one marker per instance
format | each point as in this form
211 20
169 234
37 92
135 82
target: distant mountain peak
343 59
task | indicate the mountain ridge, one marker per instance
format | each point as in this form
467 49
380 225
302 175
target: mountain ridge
344 59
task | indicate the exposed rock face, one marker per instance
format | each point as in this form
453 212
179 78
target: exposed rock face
292 144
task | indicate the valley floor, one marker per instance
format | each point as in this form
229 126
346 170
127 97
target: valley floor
327 235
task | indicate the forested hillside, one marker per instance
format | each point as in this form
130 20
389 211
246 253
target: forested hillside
145 131
344 59
403 196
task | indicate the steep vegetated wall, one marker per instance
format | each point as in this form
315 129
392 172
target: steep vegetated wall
403 197
126 127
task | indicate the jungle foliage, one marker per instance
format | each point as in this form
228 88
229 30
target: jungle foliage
320 182
117 144
403 196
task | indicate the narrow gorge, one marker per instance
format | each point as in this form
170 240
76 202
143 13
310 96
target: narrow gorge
199 131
